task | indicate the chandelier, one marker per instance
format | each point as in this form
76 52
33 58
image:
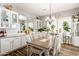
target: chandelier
50 19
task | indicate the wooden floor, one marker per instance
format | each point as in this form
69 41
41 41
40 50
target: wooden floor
66 50
18 52
69 50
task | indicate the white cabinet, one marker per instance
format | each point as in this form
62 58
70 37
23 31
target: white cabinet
37 24
16 43
7 18
23 40
29 38
11 43
14 19
6 45
75 37
75 41
4 18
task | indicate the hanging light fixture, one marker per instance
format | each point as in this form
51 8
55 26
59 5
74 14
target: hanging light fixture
50 18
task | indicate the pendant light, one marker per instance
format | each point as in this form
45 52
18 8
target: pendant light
50 18
50 15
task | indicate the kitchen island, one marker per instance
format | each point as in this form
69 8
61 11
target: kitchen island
12 42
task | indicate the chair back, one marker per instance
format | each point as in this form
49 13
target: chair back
55 44
51 40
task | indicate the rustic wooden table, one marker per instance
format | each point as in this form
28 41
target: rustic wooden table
42 44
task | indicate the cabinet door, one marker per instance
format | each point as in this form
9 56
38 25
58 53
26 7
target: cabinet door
23 40
6 45
16 42
5 18
14 17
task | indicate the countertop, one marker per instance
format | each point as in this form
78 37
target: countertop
13 35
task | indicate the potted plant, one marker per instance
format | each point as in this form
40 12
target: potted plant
66 26
43 29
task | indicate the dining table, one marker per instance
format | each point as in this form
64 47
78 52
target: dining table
41 44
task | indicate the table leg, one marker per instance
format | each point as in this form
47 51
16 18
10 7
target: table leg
28 49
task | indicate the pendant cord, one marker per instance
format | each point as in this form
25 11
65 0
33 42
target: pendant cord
50 7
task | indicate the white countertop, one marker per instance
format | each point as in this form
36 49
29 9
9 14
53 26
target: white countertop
13 35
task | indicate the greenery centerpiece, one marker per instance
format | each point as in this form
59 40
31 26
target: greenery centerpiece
44 29
66 26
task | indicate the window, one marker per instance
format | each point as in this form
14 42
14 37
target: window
30 25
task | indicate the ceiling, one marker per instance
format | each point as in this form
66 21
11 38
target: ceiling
41 9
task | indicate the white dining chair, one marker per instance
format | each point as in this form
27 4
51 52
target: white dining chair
55 44
51 40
